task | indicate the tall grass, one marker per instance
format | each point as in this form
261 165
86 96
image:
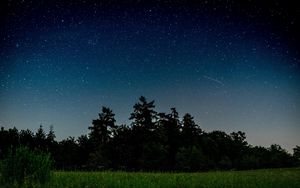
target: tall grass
24 167
275 178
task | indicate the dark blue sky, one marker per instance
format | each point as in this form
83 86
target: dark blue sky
232 65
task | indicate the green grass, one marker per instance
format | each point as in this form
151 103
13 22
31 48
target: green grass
257 178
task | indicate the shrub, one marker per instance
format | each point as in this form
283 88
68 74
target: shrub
26 167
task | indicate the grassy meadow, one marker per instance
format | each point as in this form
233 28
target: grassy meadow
282 178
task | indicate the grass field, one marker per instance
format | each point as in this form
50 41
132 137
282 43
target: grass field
283 178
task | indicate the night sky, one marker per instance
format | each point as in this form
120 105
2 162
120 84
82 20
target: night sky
234 65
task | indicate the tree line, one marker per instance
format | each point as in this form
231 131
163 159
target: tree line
152 142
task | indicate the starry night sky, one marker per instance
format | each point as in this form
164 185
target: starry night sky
233 65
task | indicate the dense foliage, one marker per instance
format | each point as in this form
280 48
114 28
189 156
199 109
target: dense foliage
152 142
24 166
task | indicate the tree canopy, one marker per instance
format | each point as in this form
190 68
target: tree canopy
153 141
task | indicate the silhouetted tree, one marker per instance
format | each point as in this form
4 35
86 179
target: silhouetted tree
296 155
102 128
9 140
122 148
145 138
100 135
85 147
237 148
190 131
170 133
296 151
217 145
144 115
50 136
40 139
279 157
27 138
